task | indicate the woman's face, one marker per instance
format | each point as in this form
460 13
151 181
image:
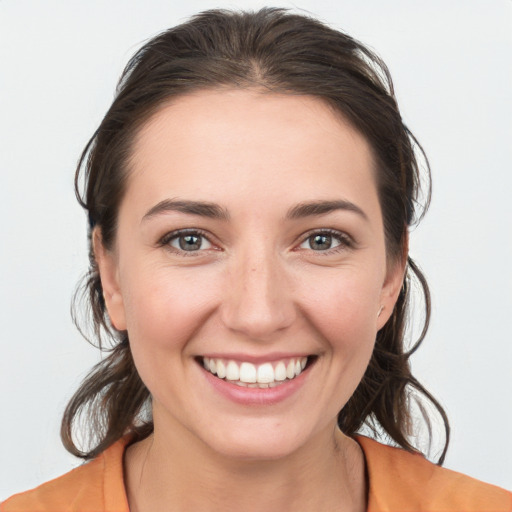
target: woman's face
250 241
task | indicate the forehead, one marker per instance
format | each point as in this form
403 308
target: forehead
244 141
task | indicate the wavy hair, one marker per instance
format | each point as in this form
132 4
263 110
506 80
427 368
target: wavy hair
275 51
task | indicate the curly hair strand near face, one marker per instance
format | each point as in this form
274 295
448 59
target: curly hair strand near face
273 51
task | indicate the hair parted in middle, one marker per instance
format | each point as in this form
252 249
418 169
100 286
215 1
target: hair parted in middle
272 51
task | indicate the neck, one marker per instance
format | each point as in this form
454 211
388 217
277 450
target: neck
170 473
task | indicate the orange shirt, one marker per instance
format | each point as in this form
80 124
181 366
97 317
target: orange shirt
398 482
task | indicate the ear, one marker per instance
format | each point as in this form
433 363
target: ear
392 285
109 275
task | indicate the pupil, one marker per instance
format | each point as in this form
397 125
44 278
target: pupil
190 242
320 242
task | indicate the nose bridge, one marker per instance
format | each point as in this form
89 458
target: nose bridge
259 301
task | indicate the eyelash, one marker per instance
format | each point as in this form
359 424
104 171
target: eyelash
345 241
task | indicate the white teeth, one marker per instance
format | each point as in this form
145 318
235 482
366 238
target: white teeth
280 372
266 375
290 369
221 369
232 371
247 372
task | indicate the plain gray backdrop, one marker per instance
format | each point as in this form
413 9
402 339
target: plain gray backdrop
451 63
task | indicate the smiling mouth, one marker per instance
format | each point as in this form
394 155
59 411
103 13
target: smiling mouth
266 375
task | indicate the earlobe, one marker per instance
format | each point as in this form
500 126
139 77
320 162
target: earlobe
108 270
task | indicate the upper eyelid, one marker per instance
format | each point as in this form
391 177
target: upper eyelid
333 232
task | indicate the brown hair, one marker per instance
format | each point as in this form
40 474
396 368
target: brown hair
277 51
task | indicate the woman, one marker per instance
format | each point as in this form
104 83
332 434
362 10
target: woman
249 195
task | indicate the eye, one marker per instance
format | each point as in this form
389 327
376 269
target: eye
187 241
326 240
320 242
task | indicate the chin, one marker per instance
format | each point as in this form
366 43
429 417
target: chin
267 442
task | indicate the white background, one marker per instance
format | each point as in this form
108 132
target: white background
451 62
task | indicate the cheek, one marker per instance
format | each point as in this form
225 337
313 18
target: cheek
344 309
164 308
344 313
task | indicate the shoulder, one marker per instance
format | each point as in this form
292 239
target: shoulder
399 480
96 486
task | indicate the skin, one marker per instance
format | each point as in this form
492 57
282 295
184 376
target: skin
256 287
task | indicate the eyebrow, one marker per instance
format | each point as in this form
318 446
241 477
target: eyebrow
322 208
214 211
201 208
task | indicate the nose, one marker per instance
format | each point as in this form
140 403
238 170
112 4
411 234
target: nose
258 302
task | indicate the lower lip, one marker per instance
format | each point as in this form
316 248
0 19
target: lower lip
256 396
